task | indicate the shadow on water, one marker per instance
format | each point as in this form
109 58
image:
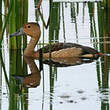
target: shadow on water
19 81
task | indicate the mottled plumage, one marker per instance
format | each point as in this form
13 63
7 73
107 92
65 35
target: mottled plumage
59 46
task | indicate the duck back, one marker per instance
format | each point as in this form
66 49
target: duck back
60 46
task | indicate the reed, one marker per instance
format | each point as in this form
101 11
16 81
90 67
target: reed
106 3
91 15
54 23
52 79
36 10
93 30
0 59
5 22
18 17
75 21
4 70
24 18
13 87
1 55
74 13
103 24
105 106
53 37
98 74
12 26
0 18
16 68
63 23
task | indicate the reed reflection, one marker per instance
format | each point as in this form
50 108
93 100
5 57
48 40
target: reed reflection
104 69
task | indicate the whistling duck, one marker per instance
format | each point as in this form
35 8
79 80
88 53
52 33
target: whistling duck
58 50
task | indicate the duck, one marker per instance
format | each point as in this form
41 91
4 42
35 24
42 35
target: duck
59 50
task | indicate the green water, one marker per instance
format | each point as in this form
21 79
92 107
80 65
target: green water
82 86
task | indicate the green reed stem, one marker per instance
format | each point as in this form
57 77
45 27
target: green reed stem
22 99
98 74
63 23
3 65
6 20
0 7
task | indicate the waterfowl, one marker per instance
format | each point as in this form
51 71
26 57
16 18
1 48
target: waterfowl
58 50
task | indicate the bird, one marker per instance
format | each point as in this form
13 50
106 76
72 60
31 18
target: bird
59 50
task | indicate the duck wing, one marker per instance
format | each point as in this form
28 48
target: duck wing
59 46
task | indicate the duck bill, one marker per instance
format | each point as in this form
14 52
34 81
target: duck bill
18 33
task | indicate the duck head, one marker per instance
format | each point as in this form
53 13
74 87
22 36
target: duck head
32 29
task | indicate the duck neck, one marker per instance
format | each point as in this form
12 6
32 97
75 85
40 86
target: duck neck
29 51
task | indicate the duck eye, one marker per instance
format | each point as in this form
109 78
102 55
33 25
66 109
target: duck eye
29 26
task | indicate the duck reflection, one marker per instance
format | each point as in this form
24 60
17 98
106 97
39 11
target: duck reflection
31 80
60 62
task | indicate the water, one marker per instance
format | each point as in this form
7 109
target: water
79 87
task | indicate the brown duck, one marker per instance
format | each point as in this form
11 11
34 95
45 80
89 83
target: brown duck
58 50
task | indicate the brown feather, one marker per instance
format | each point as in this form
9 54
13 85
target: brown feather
59 46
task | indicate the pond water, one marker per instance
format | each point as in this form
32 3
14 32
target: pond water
79 87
